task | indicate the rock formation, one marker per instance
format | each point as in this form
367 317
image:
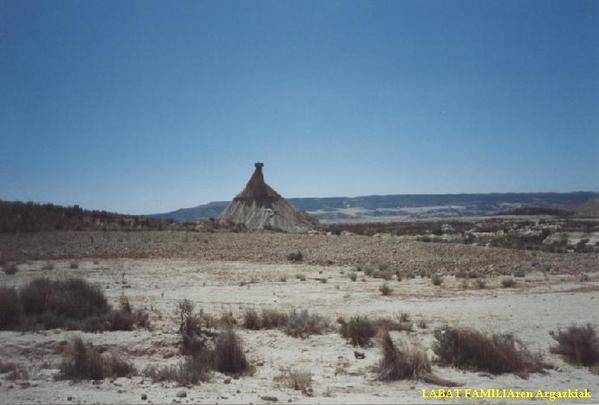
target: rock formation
260 207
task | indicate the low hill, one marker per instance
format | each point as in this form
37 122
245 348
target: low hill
404 206
18 216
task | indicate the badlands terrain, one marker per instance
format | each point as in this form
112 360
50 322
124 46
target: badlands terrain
225 275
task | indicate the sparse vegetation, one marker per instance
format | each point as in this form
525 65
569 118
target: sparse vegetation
191 371
11 309
385 289
295 257
229 357
298 380
10 269
469 349
358 330
270 319
508 283
48 266
406 364
72 304
519 273
251 319
81 361
384 274
577 345
303 324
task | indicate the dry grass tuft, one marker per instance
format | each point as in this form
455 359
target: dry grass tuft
406 364
229 357
303 324
270 319
577 345
82 361
385 289
10 268
191 371
469 349
437 279
358 330
11 309
508 283
298 380
295 257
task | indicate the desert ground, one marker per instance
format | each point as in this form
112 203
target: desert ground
229 273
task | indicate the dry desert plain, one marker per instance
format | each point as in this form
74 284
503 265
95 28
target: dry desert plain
225 272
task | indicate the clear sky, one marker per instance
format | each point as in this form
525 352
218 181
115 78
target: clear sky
147 106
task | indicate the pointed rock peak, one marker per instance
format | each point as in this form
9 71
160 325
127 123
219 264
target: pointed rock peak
257 190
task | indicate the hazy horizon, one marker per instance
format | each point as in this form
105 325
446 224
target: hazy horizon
143 107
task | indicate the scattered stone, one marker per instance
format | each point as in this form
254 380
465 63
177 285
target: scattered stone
144 397
69 398
227 380
181 394
359 355
269 398
260 363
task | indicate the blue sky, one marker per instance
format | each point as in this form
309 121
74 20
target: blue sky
148 106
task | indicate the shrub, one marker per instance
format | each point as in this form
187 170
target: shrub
251 319
191 371
577 345
48 266
298 380
437 279
295 257
358 330
17 373
74 265
398 275
353 276
229 357
192 329
72 304
82 361
386 325
273 319
519 273
480 284
422 324
303 324
11 310
385 289
300 277
10 268
73 298
508 282
397 365
368 270
469 349
384 274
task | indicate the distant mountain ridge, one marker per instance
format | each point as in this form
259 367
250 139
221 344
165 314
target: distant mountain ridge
402 206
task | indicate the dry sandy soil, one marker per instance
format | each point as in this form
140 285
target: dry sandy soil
156 270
